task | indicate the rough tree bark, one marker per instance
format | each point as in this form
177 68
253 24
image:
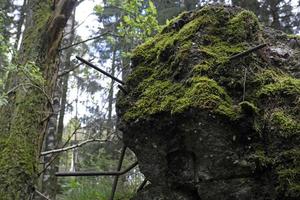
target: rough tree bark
23 122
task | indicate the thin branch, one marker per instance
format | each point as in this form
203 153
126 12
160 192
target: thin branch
99 70
72 69
113 173
122 89
142 185
55 156
89 39
77 26
71 147
244 53
244 83
41 194
119 167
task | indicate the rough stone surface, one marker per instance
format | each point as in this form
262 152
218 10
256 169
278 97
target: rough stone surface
204 126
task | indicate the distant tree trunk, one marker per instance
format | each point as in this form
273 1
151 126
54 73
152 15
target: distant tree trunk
23 122
55 126
20 24
274 12
49 181
111 92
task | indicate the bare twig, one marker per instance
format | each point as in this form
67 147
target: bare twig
55 156
115 183
72 69
77 26
244 53
113 173
100 70
244 84
41 194
122 89
89 39
142 185
71 147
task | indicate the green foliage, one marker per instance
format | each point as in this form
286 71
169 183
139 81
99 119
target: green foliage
94 188
137 22
33 73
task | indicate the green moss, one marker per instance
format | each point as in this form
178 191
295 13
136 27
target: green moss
42 12
289 182
285 124
202 68
293 36
267 76
165 56
248 108
244 26
139 74
210 19
286 86
261 159
160 96
165 96
209 82
206 93
221 51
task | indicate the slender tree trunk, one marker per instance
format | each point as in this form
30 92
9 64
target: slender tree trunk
20 24
55 126
111 92
274 11
23 122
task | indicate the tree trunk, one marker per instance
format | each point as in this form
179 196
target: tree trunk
20 25
111 93
23 122
55 126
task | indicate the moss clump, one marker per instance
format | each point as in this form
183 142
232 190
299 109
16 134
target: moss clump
285 86
203 93
186 70
167 57
289 182
244 27
248 108
159 96
293 36
165 96
285 124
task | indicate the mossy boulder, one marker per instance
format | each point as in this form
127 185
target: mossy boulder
206 126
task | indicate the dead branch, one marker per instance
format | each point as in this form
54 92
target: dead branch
72 69
99 70
113 173
122 89
55 156
142 185
244 53
71 147
41 194
89 39
115 183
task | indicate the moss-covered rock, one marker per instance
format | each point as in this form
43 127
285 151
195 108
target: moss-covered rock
200 121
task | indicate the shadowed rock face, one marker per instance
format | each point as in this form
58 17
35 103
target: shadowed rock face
204 126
